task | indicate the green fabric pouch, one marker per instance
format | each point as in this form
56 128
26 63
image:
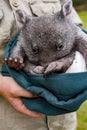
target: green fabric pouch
59 93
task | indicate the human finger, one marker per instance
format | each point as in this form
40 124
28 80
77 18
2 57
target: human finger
19 106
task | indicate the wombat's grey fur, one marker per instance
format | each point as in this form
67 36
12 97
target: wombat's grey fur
47 44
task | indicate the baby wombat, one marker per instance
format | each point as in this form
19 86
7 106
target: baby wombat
47 44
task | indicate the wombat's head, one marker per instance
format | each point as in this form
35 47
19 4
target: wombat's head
49 37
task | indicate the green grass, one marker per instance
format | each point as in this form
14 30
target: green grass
82 112
82 117
83 16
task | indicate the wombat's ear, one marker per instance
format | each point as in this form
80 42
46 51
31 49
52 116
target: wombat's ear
66 8
21 16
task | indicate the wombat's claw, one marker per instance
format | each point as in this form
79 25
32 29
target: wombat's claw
50 69
14 63
47 73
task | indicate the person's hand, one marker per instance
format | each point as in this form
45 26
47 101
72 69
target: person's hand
12 92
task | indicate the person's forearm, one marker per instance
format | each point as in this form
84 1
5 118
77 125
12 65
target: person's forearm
1 82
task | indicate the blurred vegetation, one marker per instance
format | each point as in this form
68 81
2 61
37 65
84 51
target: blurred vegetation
83 16
82 112
79 2
81 7
82 117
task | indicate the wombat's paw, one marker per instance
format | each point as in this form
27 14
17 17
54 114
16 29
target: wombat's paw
53 67
14 63
38 69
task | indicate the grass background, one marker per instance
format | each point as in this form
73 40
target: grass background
82 112
83 16
82 117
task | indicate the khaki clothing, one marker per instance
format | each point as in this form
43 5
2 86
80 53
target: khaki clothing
12 120
9 118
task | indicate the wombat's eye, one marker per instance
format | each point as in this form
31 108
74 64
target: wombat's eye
60 46
35 49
